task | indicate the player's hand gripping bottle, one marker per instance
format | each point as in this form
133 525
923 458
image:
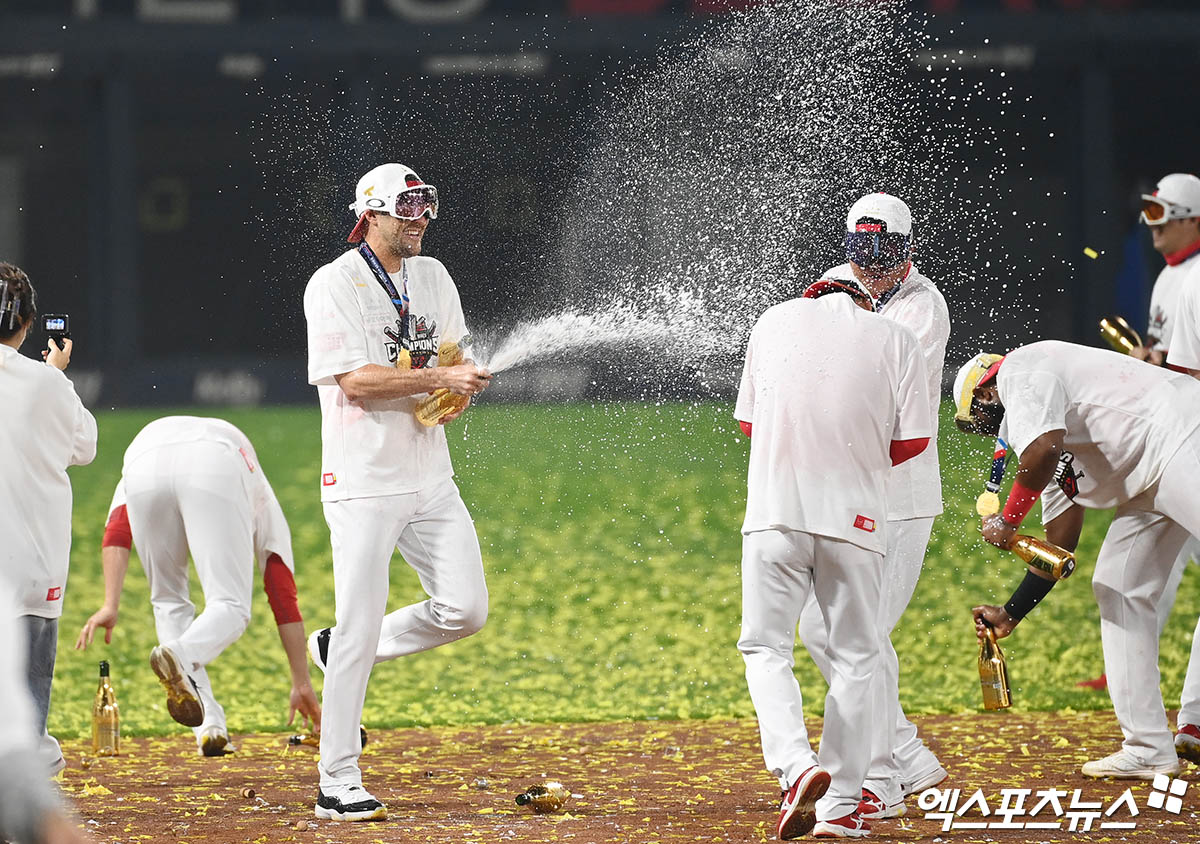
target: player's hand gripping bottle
993 672
441 401
544 797
106 718
1119 334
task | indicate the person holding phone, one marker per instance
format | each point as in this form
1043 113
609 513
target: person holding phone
44 428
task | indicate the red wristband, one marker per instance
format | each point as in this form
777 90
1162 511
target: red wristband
1019 503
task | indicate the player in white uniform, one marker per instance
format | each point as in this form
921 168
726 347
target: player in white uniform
816 522
377 317
879 246
1098 430
44 428
195 484
1173 215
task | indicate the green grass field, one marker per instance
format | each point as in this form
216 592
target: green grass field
610 539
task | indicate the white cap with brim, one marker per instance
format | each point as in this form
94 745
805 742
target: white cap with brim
377 191
1181 193
881 206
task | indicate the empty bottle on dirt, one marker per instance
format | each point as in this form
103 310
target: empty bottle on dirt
106 718
993 672
313 740
544 797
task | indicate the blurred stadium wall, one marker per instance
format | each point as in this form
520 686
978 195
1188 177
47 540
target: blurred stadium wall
140 187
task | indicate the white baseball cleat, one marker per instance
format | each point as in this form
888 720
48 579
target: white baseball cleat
214 741
1123 766
798 808
1187 742
183 698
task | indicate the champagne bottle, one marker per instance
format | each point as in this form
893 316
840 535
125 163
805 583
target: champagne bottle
313 740
1118 334
441 401
106 718
1057 562
993 672
544 797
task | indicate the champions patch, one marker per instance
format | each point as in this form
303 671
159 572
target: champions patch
863 523
328 479
54 593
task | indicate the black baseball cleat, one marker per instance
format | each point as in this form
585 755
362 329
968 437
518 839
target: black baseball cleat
318 647
354 803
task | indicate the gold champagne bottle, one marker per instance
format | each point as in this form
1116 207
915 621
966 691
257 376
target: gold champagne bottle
1119 334
441 401
312 740
106 718
544 797
1057 562
993 672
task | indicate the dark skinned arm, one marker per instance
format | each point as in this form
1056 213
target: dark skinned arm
1034 471
1063 530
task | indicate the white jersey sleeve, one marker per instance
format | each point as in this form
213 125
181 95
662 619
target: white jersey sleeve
743 411
118 499
456 323
83 450
337 341
1185 333
913 419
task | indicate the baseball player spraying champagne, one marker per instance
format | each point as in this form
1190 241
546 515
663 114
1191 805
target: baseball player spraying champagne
1095 430
816 524
879 246
195 484
378 317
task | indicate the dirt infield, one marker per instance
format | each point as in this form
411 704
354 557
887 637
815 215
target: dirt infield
641 782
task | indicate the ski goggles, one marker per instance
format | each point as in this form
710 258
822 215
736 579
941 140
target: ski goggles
409 204
1156 211
879 249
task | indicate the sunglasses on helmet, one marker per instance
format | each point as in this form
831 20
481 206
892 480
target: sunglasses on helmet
1156 212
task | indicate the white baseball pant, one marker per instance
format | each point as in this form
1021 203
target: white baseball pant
434 532
1132 570
1189 700
897 752
780 569
195 496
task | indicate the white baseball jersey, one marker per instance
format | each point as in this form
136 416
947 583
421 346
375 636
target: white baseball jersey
827 387
271 534
44 428
1123 420
1183 323
377 447
1163 301
915 486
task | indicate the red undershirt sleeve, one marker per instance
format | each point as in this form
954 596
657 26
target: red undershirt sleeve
746 427
902 450
117 531
280 587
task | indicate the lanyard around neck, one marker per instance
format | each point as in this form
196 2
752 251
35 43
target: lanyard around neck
399 298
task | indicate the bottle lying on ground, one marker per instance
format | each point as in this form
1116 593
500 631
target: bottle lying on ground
993 673
312 740
544 797
106 718
1119 334
440 402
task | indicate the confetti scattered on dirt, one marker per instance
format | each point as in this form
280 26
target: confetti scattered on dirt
637 782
